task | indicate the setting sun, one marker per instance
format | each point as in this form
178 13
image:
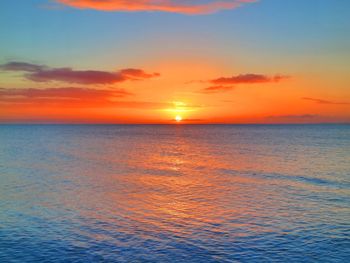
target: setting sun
178 118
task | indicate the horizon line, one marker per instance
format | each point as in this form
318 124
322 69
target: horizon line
171 124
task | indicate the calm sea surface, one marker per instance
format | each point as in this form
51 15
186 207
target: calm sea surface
176 193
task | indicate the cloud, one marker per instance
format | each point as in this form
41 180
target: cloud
248 79
294 117
21 66
223 84
71 92
216 89
321 101
41 73
188 121
77 97
64 96
301 118
174 6
72 97
137 74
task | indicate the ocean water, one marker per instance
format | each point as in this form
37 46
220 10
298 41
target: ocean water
176 193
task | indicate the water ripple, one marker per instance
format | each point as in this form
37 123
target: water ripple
174 193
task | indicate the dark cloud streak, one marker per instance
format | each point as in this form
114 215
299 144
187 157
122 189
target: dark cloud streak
72 97
321 101
41 73
248 79
216 89
21 66
224 84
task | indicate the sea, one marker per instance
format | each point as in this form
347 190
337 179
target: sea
174 193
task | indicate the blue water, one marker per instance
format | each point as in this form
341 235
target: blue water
176 193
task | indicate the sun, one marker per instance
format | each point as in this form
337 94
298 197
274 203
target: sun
178 118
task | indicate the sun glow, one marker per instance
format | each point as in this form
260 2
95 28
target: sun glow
178 118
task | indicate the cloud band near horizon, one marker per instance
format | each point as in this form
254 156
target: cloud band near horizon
43 73
73 97
173 6
224 84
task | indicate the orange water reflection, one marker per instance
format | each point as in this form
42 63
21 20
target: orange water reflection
177 189
172 190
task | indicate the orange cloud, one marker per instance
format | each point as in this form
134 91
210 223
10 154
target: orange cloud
321 101
216 89
72 97
76 105
293 117
175 6
248 79
42 73
223 84
86 105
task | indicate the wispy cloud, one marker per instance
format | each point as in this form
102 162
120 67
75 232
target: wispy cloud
223 84
71 92
174 6
42 73
216 89
72 97
189 120
321 101
293 117
22 66
248 79
82 97
69 96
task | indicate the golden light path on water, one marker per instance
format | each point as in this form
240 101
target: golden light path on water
179 192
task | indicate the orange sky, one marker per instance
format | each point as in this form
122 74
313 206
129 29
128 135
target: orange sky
197 62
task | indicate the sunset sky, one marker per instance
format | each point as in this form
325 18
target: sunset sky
148 61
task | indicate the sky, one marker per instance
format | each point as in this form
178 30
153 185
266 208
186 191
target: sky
175 61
